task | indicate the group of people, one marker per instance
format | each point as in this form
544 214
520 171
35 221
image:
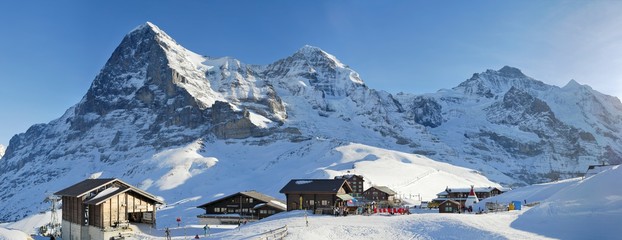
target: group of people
206 229
340 211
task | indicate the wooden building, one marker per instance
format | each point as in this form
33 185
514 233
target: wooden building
461 194
104 208
319 195
449 206
355 181
241 206
380 194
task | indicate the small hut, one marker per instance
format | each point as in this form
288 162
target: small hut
449 206
241 206
319 195
104 208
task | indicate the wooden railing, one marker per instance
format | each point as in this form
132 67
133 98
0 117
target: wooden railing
278 233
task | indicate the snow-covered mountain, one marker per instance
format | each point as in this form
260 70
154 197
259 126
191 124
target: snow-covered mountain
189 127
530 131
2 149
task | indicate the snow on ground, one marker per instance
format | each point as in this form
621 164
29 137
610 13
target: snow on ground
408 174
414 226
32 223
2 150
586 209
571 209
183 163
10 234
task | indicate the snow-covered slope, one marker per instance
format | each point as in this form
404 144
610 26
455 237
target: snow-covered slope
2 149
169 121
12 234
572 209
576 208
591 208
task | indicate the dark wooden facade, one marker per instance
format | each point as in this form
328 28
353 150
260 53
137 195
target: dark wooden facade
449 206
379 193
319 195
248 205
355 181
105 204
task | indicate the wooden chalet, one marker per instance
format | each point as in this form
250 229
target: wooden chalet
380 194
241 206
319 195
449 206
104 208
355 181
461 194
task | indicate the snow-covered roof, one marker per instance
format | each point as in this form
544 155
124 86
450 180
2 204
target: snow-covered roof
383 189
105 195
477 190
82 188
269 200
326 186
103 189
272 203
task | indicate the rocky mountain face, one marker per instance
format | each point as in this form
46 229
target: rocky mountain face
530 131
154 96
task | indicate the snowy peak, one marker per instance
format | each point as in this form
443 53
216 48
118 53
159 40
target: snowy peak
312 67
149 30
494 83
146 26
2 149
572 84
317 55
511 72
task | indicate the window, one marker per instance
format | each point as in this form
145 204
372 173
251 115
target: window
248 200
449 209
267 211
311 202
220 210
324 202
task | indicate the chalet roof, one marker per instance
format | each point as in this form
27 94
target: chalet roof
274 204
84 187
317 186
89 186
252 194
383 189
477 190
104 195
451 201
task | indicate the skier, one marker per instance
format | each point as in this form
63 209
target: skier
167 233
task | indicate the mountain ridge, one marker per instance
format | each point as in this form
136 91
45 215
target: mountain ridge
154 99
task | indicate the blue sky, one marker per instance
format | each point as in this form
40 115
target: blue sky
50 51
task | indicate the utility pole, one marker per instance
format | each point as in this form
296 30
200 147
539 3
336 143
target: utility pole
54 226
